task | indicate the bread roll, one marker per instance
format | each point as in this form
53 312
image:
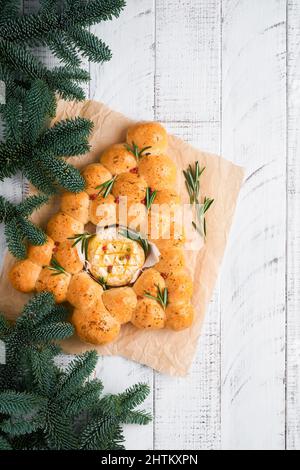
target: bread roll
57 284
94 175
83 291
159 171
167 196
130 185
41 255
165 245
117 159
148 134
180 286
24 275
61 226
103 210
120 303
76 205
179 316
95 325
148 315
148 282
170 260
67 256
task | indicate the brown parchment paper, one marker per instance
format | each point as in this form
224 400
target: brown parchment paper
166 351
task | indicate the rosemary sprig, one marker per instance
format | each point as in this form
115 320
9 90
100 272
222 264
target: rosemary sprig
106 187
161 298
136 151
56 268
99 280
84 239
192 181
136 236
150 197
102 283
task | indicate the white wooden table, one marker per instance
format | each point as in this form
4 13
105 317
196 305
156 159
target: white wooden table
225 76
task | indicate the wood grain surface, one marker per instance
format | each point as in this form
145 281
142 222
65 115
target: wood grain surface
225 76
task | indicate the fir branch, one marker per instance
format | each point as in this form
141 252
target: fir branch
90 46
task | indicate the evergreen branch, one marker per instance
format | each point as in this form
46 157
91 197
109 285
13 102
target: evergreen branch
31 203
20 403
15 239
4 444
90 46
77 373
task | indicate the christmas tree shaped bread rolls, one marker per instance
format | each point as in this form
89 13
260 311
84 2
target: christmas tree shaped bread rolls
111 280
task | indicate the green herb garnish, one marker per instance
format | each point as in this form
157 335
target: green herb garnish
56 268
136 236
150 197
161 298
84 239
192 182
136 151
106 188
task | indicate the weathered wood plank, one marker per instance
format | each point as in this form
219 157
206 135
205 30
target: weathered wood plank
253 280
187 60
293 265
126 83
187 410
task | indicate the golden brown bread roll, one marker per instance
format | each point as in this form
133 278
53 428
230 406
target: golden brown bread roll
148 134
83 291
24 275
167 196
117 159
94 175
102 210
164 224
164 245
130 185
159 171
134 216
67 256
120 303
179 316
180 286
95 325
76 205
61 227
148 315
41 255
57 284
170 260
148 282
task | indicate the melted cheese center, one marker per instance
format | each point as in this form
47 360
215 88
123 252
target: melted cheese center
116 262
